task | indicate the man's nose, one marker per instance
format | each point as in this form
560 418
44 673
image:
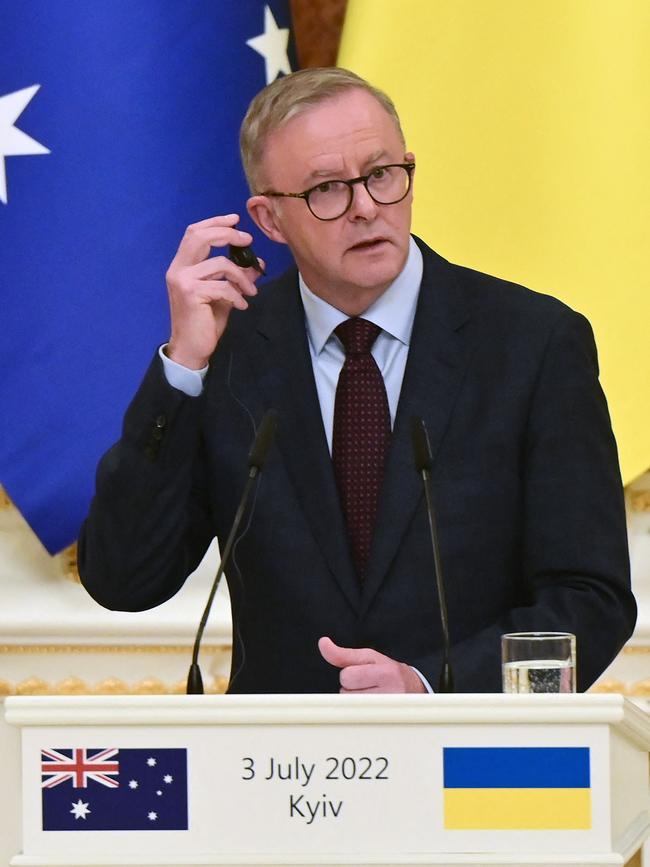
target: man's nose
363 205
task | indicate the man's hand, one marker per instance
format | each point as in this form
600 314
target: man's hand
203 291
366 670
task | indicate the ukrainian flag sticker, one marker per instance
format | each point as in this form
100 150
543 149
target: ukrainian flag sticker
517 788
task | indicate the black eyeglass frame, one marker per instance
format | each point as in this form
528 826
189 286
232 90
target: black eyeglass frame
362 179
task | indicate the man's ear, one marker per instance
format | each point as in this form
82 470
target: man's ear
409 157
263 215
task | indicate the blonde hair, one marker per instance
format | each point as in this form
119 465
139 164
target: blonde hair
289 96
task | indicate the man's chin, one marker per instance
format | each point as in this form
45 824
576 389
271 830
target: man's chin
376 271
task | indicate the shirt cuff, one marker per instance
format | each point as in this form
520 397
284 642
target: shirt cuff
190 382
426 683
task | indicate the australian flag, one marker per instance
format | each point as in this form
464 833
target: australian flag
118 128
114 789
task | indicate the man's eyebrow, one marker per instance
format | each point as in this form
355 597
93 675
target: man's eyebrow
323 173
376 157
335 174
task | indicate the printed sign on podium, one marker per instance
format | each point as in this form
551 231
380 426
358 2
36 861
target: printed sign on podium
463 779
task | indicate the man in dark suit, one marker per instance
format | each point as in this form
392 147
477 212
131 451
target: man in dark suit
334 586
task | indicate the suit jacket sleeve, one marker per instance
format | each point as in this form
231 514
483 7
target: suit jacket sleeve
149 487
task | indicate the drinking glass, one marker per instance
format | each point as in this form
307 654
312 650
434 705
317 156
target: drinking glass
538 662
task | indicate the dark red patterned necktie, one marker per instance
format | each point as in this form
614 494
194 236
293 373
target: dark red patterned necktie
361 435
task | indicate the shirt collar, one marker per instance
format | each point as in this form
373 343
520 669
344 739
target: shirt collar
393 311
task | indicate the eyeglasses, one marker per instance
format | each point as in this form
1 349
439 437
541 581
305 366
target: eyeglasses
329 200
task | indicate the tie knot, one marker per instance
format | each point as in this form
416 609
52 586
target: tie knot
357 335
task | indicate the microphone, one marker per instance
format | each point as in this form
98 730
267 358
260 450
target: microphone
256 458
423 464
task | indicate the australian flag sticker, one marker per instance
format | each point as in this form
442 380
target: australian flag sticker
114 789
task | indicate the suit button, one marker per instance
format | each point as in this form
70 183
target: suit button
161 421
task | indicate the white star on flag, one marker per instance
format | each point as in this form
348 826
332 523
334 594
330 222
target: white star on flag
272 45
80 810
14 142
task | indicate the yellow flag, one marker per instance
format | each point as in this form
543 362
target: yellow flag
530 122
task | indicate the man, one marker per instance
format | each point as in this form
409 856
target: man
334 585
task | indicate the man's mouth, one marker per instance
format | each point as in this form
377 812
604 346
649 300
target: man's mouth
369 244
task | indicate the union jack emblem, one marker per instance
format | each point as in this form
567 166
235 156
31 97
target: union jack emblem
79 766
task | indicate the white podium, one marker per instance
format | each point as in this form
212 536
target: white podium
347 780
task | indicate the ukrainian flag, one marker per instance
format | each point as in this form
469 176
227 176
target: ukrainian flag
517 788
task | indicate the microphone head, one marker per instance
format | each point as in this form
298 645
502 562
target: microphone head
421 446
263 440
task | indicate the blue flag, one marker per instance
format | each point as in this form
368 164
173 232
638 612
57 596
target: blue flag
114 790
118 128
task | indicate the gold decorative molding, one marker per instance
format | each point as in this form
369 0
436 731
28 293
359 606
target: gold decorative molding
108 686
5 502
71 686
636 860
150 686
70 564
641 689
111 686
34 686
640 501
214 686
110 648
610 686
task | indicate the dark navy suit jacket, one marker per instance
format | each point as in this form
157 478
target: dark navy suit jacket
527 488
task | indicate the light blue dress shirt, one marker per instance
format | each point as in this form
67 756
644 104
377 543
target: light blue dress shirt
393 312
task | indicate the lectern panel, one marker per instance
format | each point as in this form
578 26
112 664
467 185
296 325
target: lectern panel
289 780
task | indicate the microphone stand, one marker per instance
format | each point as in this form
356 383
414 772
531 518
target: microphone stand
256 459
424 463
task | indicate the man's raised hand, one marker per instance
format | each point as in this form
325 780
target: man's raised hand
364 670
203 291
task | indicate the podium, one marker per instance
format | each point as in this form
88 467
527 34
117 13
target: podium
346 780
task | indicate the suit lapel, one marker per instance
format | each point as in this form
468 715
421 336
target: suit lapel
283 370
438 356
